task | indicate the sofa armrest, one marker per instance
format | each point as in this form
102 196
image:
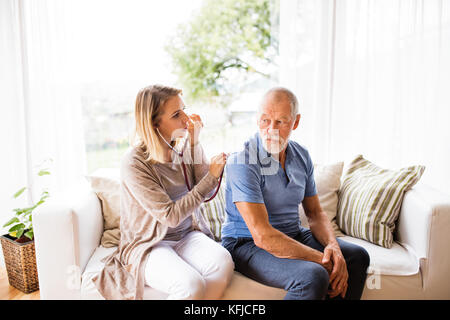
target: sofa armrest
424 225
67 230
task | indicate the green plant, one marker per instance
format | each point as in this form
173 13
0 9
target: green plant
22 222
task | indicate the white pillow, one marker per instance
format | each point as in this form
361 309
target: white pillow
328 182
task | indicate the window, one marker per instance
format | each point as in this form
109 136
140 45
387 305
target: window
123 46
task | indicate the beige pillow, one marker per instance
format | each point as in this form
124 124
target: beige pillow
107 190
328 182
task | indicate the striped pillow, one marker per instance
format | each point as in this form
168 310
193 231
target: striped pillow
212 214
370 199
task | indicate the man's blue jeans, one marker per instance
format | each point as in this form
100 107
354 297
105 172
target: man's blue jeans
300 278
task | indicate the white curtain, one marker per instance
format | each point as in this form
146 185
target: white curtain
373 78
41 112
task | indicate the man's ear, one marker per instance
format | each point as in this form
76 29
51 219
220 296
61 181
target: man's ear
297 121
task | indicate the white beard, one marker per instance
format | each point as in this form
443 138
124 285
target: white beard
275 146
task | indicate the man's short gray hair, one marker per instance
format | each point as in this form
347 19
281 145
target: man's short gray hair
277 93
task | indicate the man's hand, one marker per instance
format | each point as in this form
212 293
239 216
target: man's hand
339 275
326 263
321 229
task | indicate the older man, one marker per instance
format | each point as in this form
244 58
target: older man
266 182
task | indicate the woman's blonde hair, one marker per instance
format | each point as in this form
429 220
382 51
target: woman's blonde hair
148 108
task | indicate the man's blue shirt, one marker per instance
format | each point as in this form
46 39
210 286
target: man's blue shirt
253 175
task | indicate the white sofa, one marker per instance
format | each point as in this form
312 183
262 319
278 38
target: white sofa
69 227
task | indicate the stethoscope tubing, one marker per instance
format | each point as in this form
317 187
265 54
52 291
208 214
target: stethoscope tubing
183 165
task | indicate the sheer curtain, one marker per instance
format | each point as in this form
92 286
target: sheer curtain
373 78
41 113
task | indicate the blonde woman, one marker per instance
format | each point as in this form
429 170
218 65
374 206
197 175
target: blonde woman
160 244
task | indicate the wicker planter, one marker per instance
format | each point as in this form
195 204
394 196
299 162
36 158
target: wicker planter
20 261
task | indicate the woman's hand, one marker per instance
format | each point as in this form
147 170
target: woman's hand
195 124
217 164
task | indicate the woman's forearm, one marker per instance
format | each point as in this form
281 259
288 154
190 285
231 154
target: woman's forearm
199 161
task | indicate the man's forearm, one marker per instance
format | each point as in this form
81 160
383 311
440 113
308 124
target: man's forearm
272 240
321 228
283 246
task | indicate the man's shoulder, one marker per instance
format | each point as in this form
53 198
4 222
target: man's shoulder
300 155
242 160
298 148
247 155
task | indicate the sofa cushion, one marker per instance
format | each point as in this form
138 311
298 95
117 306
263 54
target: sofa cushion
328 181
106 184
370 199
212 214
399 260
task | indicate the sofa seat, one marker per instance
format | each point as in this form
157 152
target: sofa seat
386 266
238 285
393 273
399 260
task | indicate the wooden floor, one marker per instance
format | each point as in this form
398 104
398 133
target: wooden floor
8 292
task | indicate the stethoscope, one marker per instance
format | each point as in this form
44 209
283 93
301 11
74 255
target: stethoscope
180 154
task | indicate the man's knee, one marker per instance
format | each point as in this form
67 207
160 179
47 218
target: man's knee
364 258
357 258
311 282
364 262
320 277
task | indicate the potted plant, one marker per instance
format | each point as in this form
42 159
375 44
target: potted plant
18 245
